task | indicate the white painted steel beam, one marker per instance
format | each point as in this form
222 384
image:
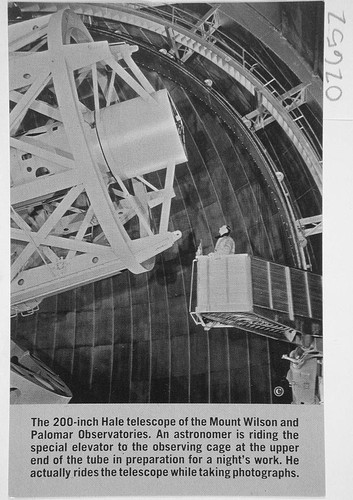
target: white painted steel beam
41 150
238 71
85 224
138 74
310 225
48 225
39 106
67 227
23 33
25 67
166 206
38 85
44 186
290 100
208 24
58 242
174 46
43 281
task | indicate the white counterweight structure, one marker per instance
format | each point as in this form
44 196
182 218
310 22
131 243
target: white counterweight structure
33 382
93 154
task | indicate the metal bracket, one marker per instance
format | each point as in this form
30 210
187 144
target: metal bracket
290 100
310 225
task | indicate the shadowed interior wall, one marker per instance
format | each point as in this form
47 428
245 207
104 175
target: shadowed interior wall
130 338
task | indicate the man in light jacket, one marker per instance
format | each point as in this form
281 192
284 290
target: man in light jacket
225 244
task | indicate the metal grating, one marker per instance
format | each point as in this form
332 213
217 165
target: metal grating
299 293
260 282
315 286
278 287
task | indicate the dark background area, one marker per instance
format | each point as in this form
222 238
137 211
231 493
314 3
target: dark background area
130 338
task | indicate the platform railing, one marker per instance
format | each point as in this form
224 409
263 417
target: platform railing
248 61
190 33
300 254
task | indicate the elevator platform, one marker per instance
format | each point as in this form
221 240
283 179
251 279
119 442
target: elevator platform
255 295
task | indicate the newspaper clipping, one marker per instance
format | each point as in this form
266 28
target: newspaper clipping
166 245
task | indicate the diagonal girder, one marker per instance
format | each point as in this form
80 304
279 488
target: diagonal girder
310 225
68 228
237 70
260 117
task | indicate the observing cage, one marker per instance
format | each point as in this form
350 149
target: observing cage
139 342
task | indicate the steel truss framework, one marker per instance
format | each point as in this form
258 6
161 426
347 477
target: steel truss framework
205 27
77 215
187 34
261 117
310 225
201 42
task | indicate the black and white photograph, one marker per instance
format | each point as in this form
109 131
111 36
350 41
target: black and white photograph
166 188
166 191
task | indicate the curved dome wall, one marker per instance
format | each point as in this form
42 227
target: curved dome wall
130 338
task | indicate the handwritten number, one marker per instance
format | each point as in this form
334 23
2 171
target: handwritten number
339 76
342 19
335 38
333 93
338 54
333 42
